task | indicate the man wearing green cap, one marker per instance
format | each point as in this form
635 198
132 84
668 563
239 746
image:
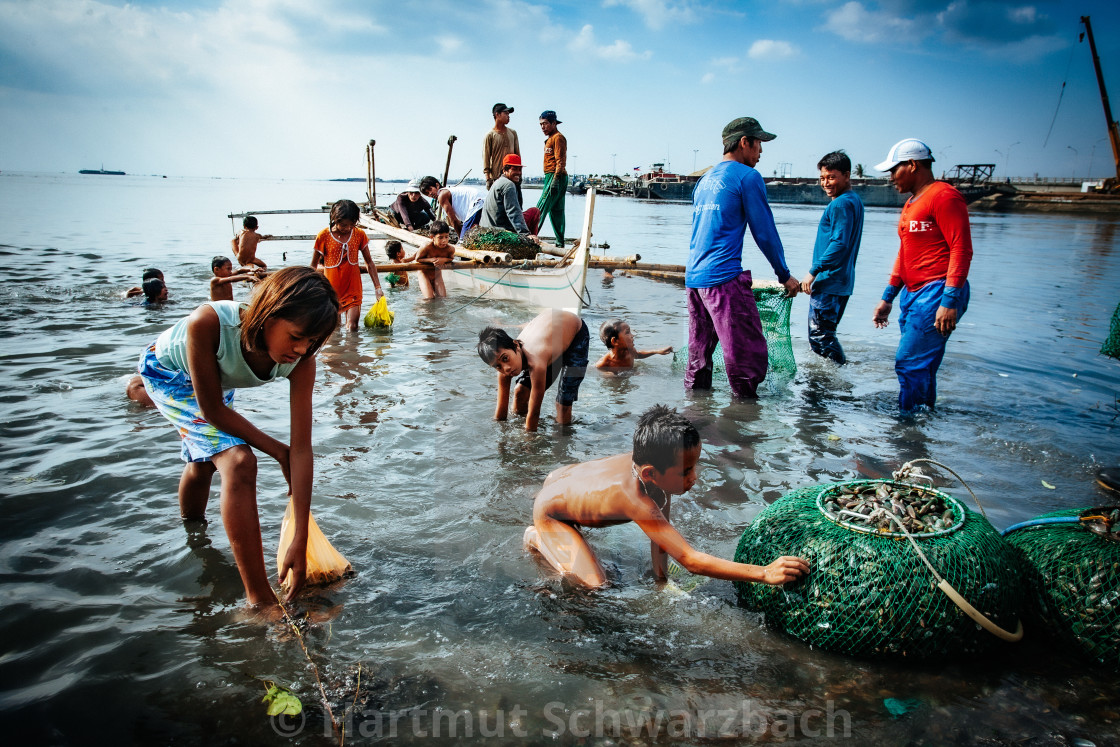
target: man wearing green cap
721 307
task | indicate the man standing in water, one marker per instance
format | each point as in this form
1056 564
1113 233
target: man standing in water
930 271
555 185
721 305
832 274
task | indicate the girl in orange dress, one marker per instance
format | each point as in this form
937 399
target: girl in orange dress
336 254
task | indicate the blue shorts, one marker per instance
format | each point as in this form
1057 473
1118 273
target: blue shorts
173 394
574 364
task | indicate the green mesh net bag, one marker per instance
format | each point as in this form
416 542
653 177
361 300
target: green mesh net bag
1111 346
1074 578
496 240
774 309
868 593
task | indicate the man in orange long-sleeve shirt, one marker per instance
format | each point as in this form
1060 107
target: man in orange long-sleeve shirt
931 271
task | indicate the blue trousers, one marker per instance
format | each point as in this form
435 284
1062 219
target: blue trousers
921 347
825 311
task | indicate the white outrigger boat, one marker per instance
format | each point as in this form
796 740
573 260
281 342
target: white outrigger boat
559 284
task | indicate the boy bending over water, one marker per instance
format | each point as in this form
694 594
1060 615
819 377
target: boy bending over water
554 340
635 487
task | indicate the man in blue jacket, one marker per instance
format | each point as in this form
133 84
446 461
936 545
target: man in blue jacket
832 274
721 305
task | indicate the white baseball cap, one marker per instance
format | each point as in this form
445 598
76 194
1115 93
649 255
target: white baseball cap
413 186
909 149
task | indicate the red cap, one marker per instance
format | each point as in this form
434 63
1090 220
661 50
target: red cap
512 160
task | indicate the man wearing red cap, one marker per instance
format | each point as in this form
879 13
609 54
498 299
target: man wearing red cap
930 271
502 209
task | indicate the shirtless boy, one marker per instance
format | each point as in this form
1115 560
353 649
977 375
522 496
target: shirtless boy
621 352
221 285
554 340
436 253
635 487
245 243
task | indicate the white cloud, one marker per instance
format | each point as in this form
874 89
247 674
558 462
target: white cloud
708 78
449 44
657 13
729 63
771 49
856 23
619 51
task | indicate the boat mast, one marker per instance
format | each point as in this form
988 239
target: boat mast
1113 129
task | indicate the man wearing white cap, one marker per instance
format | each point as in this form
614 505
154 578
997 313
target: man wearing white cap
411 209
721 308
930 272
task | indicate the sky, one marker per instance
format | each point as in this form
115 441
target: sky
296 88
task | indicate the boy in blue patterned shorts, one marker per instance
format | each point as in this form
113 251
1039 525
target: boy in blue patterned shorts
554 340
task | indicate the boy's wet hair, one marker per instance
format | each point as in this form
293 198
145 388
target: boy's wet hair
152 288
345 210
428 182
393 248
837 160
249 222
218 261
438 226
662 436
491 342
610 329
152 272
297 294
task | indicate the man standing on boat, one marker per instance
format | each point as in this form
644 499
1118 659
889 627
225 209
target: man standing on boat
555 186
499 143
502 209
721 306
930 271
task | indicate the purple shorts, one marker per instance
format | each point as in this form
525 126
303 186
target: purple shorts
728 315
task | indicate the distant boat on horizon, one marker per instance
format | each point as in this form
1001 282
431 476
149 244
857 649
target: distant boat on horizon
101 171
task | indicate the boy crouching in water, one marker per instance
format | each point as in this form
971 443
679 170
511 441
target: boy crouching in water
635 487
554 340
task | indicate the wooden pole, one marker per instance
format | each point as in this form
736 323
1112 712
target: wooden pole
372 178
559 253
447 168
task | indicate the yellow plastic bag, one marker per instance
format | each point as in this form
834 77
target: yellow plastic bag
379 314
324 563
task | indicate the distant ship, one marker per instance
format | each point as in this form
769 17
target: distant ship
101 171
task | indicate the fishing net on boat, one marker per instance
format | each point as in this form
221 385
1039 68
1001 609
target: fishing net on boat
1111 346
496 240
868 592
1073 572
774 309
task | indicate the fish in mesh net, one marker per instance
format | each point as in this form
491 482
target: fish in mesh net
868 592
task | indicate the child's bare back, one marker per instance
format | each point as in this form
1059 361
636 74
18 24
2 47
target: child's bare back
635 487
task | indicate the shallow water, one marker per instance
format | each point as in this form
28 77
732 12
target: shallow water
121 622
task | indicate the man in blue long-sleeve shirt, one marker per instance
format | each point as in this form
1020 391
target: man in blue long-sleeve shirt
721 305
832 274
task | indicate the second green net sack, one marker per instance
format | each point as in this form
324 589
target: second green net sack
868 593
774 309
1074 573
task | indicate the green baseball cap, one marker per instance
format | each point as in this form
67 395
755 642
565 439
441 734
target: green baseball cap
744 127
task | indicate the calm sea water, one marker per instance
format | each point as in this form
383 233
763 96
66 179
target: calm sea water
121 623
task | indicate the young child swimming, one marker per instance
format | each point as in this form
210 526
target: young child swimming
635 487
621 352
191 372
